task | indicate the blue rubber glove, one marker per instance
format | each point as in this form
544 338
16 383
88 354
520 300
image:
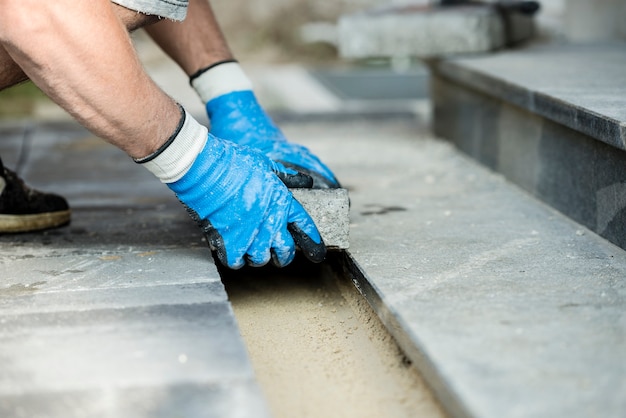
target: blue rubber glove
239 117
236 114
237 197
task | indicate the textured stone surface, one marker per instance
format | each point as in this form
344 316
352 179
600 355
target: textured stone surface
121 313
579 86
427 31
507 307
128 347
206 400
587 21
330 209
569 154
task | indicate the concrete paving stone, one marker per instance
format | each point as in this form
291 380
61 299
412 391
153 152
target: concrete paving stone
570 171
550 118
140 360
139 346
508 308
100 251
202 400
428 31
31 298
124 264
330 210
121 313
147 361
580 86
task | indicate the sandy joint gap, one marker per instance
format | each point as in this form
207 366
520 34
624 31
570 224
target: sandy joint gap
319 350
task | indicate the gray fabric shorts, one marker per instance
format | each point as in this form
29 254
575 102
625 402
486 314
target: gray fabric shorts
171 9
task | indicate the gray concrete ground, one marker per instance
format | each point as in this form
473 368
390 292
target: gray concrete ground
122 313
507 308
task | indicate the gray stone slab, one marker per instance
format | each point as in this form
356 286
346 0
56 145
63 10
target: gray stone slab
330 210
508 308
146 346
209 400
121 313
422 32
572 172
136 360
429 31
72 269
22 298
578 86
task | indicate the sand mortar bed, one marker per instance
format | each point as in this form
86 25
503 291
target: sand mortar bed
319 350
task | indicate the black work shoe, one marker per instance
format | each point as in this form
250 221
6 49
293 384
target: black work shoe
23 209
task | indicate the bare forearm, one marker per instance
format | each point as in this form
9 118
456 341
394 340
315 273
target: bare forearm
11 74
194 43
80 54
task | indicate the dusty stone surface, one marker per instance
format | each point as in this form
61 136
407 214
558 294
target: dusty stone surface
507 307
121 313
404 32
330 210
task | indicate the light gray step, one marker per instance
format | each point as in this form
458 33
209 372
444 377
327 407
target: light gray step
507 307
122 313
551 118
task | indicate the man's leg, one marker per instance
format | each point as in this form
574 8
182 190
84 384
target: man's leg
195 43
199 47
23 209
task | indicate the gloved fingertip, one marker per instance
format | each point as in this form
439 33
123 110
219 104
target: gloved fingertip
218 248
220 255
318 180
256 262
236 265
314 251
296 181
283 258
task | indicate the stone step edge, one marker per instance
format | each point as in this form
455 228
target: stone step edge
344 262
588 122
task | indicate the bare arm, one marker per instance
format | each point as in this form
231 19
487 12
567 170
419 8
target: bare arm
194 43
11 73
80 54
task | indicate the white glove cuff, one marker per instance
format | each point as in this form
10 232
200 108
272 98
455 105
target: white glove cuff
172 161
219 80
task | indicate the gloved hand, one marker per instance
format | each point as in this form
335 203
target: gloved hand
237 197
236 114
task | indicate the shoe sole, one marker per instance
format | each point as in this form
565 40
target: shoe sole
34 222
